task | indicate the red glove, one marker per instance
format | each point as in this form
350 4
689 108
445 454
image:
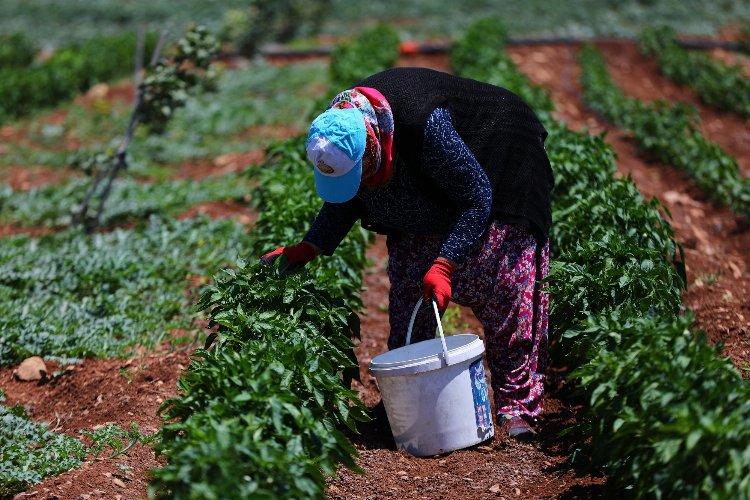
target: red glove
293 257
437 282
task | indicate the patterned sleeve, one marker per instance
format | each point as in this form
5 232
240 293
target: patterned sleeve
333 222
455 171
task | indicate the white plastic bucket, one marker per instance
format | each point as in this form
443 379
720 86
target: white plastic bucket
435 392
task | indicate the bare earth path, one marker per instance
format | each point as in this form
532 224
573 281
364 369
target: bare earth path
93 394
500 468
639 76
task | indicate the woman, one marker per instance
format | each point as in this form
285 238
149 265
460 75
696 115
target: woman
455 173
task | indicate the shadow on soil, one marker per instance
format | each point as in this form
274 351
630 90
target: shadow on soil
559 416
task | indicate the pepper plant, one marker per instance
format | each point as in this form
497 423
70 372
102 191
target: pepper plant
716 83
268 393
667 416
667 131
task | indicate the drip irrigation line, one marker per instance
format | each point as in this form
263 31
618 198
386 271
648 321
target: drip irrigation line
427 48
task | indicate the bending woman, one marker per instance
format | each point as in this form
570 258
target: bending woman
454 172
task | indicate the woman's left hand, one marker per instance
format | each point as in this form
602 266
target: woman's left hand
437 282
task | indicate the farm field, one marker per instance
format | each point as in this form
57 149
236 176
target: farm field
175 365
422 20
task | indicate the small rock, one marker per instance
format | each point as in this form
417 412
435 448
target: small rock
98 91
401 473
442 462
484 448
32 368
517 492
118 482
736 271
495 488
677 198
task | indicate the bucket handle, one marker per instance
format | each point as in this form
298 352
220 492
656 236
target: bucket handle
439 326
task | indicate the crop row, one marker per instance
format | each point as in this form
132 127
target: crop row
68 72
29 451
668 417
70 295
260 412
374 50
669 132
716 83
130 200
16 50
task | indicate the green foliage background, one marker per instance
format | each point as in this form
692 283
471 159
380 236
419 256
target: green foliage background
53 21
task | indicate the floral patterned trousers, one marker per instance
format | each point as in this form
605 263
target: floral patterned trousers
500 282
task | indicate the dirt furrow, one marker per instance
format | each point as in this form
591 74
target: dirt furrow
639 77
732 59
716 241
501 467
95 393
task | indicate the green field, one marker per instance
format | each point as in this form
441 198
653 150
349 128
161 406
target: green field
51 21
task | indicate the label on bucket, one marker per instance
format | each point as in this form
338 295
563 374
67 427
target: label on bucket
482 410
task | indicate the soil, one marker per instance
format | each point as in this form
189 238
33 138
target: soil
23 178
11 229
18 134
96 393
732 58
221 165
639 76
222 210
273 132
716 241
100 93
440 62
501 467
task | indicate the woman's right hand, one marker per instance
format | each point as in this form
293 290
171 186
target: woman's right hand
293 258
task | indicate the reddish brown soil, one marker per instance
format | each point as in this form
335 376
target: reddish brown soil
499 468
639 76
716 241
101 95
297 59
222 210
95 393
440 62
732 58
28 177
274 132
105 93
10 229
221 165
14 134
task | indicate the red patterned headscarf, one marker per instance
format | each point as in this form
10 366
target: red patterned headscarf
377 163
